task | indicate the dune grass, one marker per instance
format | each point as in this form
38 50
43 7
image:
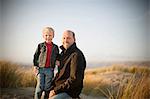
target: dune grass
12 75
112 82
136 88
131 82
27 78
121 68
9 75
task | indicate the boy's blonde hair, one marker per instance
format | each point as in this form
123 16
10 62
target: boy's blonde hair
49 29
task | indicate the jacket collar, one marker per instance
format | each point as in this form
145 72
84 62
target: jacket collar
45 43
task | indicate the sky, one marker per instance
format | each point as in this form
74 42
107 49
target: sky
106 30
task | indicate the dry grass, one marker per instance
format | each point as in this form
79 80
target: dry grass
28 78
118 82
12 75
121 68
9 74
113 82
137 88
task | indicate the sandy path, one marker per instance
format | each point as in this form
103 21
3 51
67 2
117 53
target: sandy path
28 93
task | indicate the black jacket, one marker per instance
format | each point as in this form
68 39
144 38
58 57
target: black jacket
40 55
71 75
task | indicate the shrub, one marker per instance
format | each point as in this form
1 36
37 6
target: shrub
9 74
12 75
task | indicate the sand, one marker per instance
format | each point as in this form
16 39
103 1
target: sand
28 93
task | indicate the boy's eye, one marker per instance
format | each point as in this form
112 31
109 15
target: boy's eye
48 35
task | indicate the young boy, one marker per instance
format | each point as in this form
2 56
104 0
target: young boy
44 63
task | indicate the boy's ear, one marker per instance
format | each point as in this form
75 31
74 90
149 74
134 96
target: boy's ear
53 34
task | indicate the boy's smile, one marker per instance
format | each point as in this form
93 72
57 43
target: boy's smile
48 36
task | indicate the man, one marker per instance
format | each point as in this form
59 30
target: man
68 83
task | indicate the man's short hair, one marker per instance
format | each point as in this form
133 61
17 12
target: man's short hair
69 31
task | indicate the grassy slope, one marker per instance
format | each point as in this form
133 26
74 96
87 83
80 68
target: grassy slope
116 82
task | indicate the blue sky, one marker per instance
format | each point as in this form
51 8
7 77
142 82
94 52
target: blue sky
106 30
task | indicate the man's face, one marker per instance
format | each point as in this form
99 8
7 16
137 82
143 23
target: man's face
67 39
48 36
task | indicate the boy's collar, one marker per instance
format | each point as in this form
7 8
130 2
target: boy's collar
48 43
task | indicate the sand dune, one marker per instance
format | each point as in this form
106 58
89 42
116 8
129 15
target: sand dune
96 80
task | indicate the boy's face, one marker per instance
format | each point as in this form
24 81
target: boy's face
48 36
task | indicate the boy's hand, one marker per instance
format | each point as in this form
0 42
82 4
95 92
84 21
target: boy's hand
35 70
52 93
57 63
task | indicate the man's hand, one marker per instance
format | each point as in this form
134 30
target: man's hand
57 63
52 93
